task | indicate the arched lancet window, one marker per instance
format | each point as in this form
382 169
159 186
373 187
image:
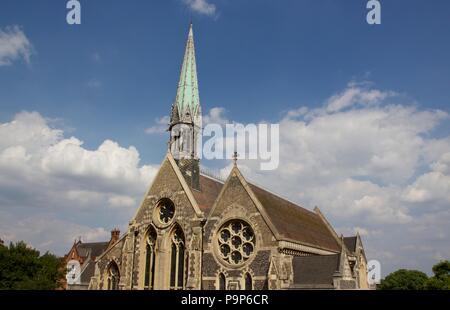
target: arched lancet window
177 260
150 255
113 276
248 282
222 282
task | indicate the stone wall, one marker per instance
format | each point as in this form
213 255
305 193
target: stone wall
235 203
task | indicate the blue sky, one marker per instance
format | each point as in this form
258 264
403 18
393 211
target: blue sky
254 59
112 76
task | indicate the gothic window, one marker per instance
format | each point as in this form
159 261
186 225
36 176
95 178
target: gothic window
113 276
177 260
236 242
222 282
248 282
150 255
166 211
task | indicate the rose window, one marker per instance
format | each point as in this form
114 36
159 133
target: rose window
166 211
236 242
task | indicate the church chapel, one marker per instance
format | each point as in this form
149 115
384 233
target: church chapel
193 231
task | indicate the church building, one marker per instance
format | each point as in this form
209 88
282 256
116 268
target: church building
193 231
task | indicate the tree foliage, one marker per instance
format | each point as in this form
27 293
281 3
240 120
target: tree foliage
23 268
441 279
404 280
416 280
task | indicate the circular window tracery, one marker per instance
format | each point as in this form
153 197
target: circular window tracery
236 241
165 211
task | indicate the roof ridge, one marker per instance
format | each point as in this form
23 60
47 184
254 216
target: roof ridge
208 172
97 242
211 178
278 195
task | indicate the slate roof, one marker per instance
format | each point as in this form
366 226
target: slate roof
295 222
88 272
316 270
92 249
209 191
350 243
290 220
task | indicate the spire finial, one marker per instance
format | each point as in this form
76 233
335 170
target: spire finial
235 158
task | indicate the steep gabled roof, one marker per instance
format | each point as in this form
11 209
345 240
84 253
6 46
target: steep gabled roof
208 193
291 221
350 243
87 272
294 222
92 249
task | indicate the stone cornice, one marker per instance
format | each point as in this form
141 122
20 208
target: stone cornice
302 248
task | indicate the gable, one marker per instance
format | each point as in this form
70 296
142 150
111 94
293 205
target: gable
350 243
236 200
167 182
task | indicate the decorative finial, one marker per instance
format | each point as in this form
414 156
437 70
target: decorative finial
235 158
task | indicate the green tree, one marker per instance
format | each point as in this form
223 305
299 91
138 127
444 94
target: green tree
441 279
23 268
404 280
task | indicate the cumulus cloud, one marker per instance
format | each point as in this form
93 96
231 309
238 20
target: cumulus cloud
85 191
355 94
368 162
201 6
159 127
216 115
14 45
434 186
45 231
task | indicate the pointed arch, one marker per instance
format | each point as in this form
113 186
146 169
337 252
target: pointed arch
177 258
222 281
150 258
113 276
248 282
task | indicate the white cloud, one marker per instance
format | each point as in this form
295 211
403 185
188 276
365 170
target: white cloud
371 165
433 186
160 126
368 162
201 6
45 231
42 172
215 116
14 45
122 201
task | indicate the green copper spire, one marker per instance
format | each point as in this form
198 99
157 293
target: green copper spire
187 99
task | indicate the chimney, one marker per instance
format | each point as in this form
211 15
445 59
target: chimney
115 234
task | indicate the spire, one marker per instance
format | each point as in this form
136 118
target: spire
187 100
186 118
